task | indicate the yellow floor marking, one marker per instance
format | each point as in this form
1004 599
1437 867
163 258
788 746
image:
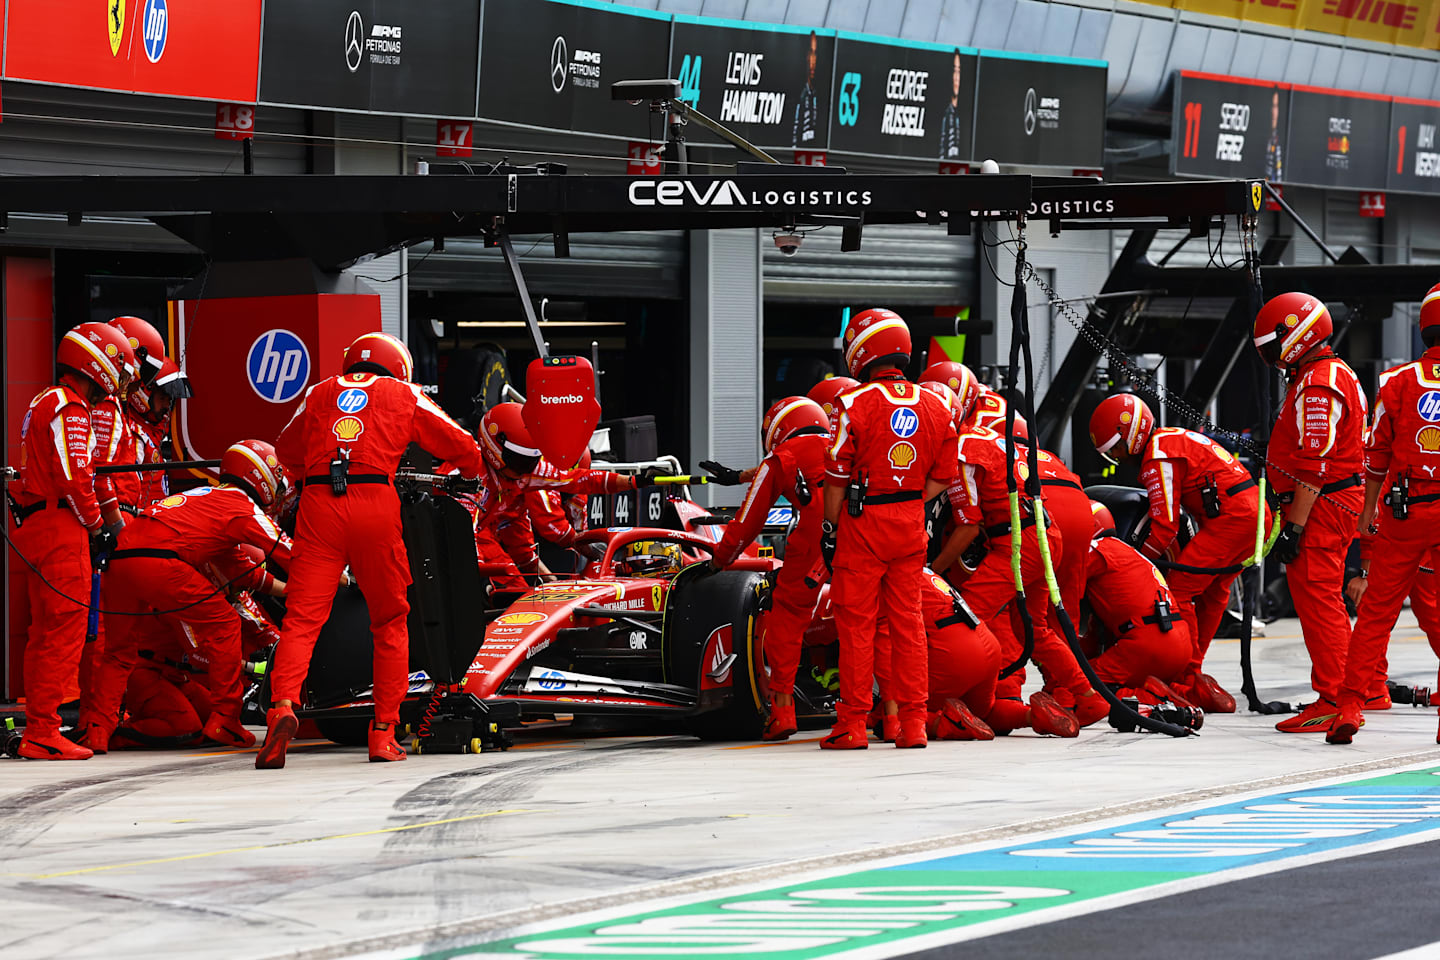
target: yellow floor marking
774 743
265 846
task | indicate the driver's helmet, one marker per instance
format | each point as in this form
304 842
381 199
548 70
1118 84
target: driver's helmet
650 558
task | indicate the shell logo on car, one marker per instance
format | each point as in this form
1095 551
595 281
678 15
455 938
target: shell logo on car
520 619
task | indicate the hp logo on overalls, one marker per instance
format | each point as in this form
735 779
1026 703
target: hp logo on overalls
1429 405
353 400
904 423
278 365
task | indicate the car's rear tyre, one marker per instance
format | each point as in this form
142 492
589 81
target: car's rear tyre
346 731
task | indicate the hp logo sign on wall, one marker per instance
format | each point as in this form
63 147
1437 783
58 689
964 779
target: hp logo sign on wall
157 27
278 366
354 41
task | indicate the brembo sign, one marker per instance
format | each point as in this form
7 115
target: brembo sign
728 193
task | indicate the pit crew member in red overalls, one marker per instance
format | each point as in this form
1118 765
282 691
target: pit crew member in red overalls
119 436
795 436
1424 604
1182 468
894 448
826 393
157 566
344 444
1402 456
965 658
1315 457
58 523
1129 597
168 698
980 503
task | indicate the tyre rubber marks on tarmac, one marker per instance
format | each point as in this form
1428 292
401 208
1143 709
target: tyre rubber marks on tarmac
929 901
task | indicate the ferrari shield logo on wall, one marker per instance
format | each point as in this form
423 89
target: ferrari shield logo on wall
115 17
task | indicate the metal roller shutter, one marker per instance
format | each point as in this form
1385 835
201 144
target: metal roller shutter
62 130
896 263
628 264
1344 227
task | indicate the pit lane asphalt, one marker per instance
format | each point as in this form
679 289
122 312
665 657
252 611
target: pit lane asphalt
197 854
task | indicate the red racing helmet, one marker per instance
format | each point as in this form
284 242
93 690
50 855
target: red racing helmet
379 353
1430 309
252 466
1122 421
960 379
147 343
952 402
828 392
1290 326
169 382
1104 519
792 417
873 336
99 353
506 441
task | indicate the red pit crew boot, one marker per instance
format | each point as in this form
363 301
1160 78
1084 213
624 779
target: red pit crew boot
280 727
1207 694
1345 726
781 723
383 748
96 737
1090 707
1380 701
1048 718
912 734
954 721
846 736
1315 718
228 731
52 747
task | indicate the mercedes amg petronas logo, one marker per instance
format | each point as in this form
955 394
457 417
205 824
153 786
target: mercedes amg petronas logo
1029 111
559 62
354 38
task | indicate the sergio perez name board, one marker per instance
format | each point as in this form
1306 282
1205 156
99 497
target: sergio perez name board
1230 127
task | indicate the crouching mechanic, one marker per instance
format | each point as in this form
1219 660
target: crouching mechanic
344 444
794 433
1129 597
980 501
965 658
1182 468
58 524
894 449
157 566
1402 455
168 698
1316 456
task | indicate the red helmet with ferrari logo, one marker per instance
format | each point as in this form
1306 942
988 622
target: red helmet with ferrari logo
952 402
147 343
1290 326
505 440
99 353
828 392
252 466
873 336
792 417
960 379
1121 424
379 353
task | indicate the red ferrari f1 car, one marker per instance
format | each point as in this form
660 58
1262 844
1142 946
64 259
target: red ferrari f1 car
648 630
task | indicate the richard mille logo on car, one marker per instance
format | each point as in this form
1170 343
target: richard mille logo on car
727 193
582 68
381 45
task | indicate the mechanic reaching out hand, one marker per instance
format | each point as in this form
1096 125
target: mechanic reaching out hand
1316 457
1403 456
1182 468
795 436
344 444
58 524
159 564
826 393
894 448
